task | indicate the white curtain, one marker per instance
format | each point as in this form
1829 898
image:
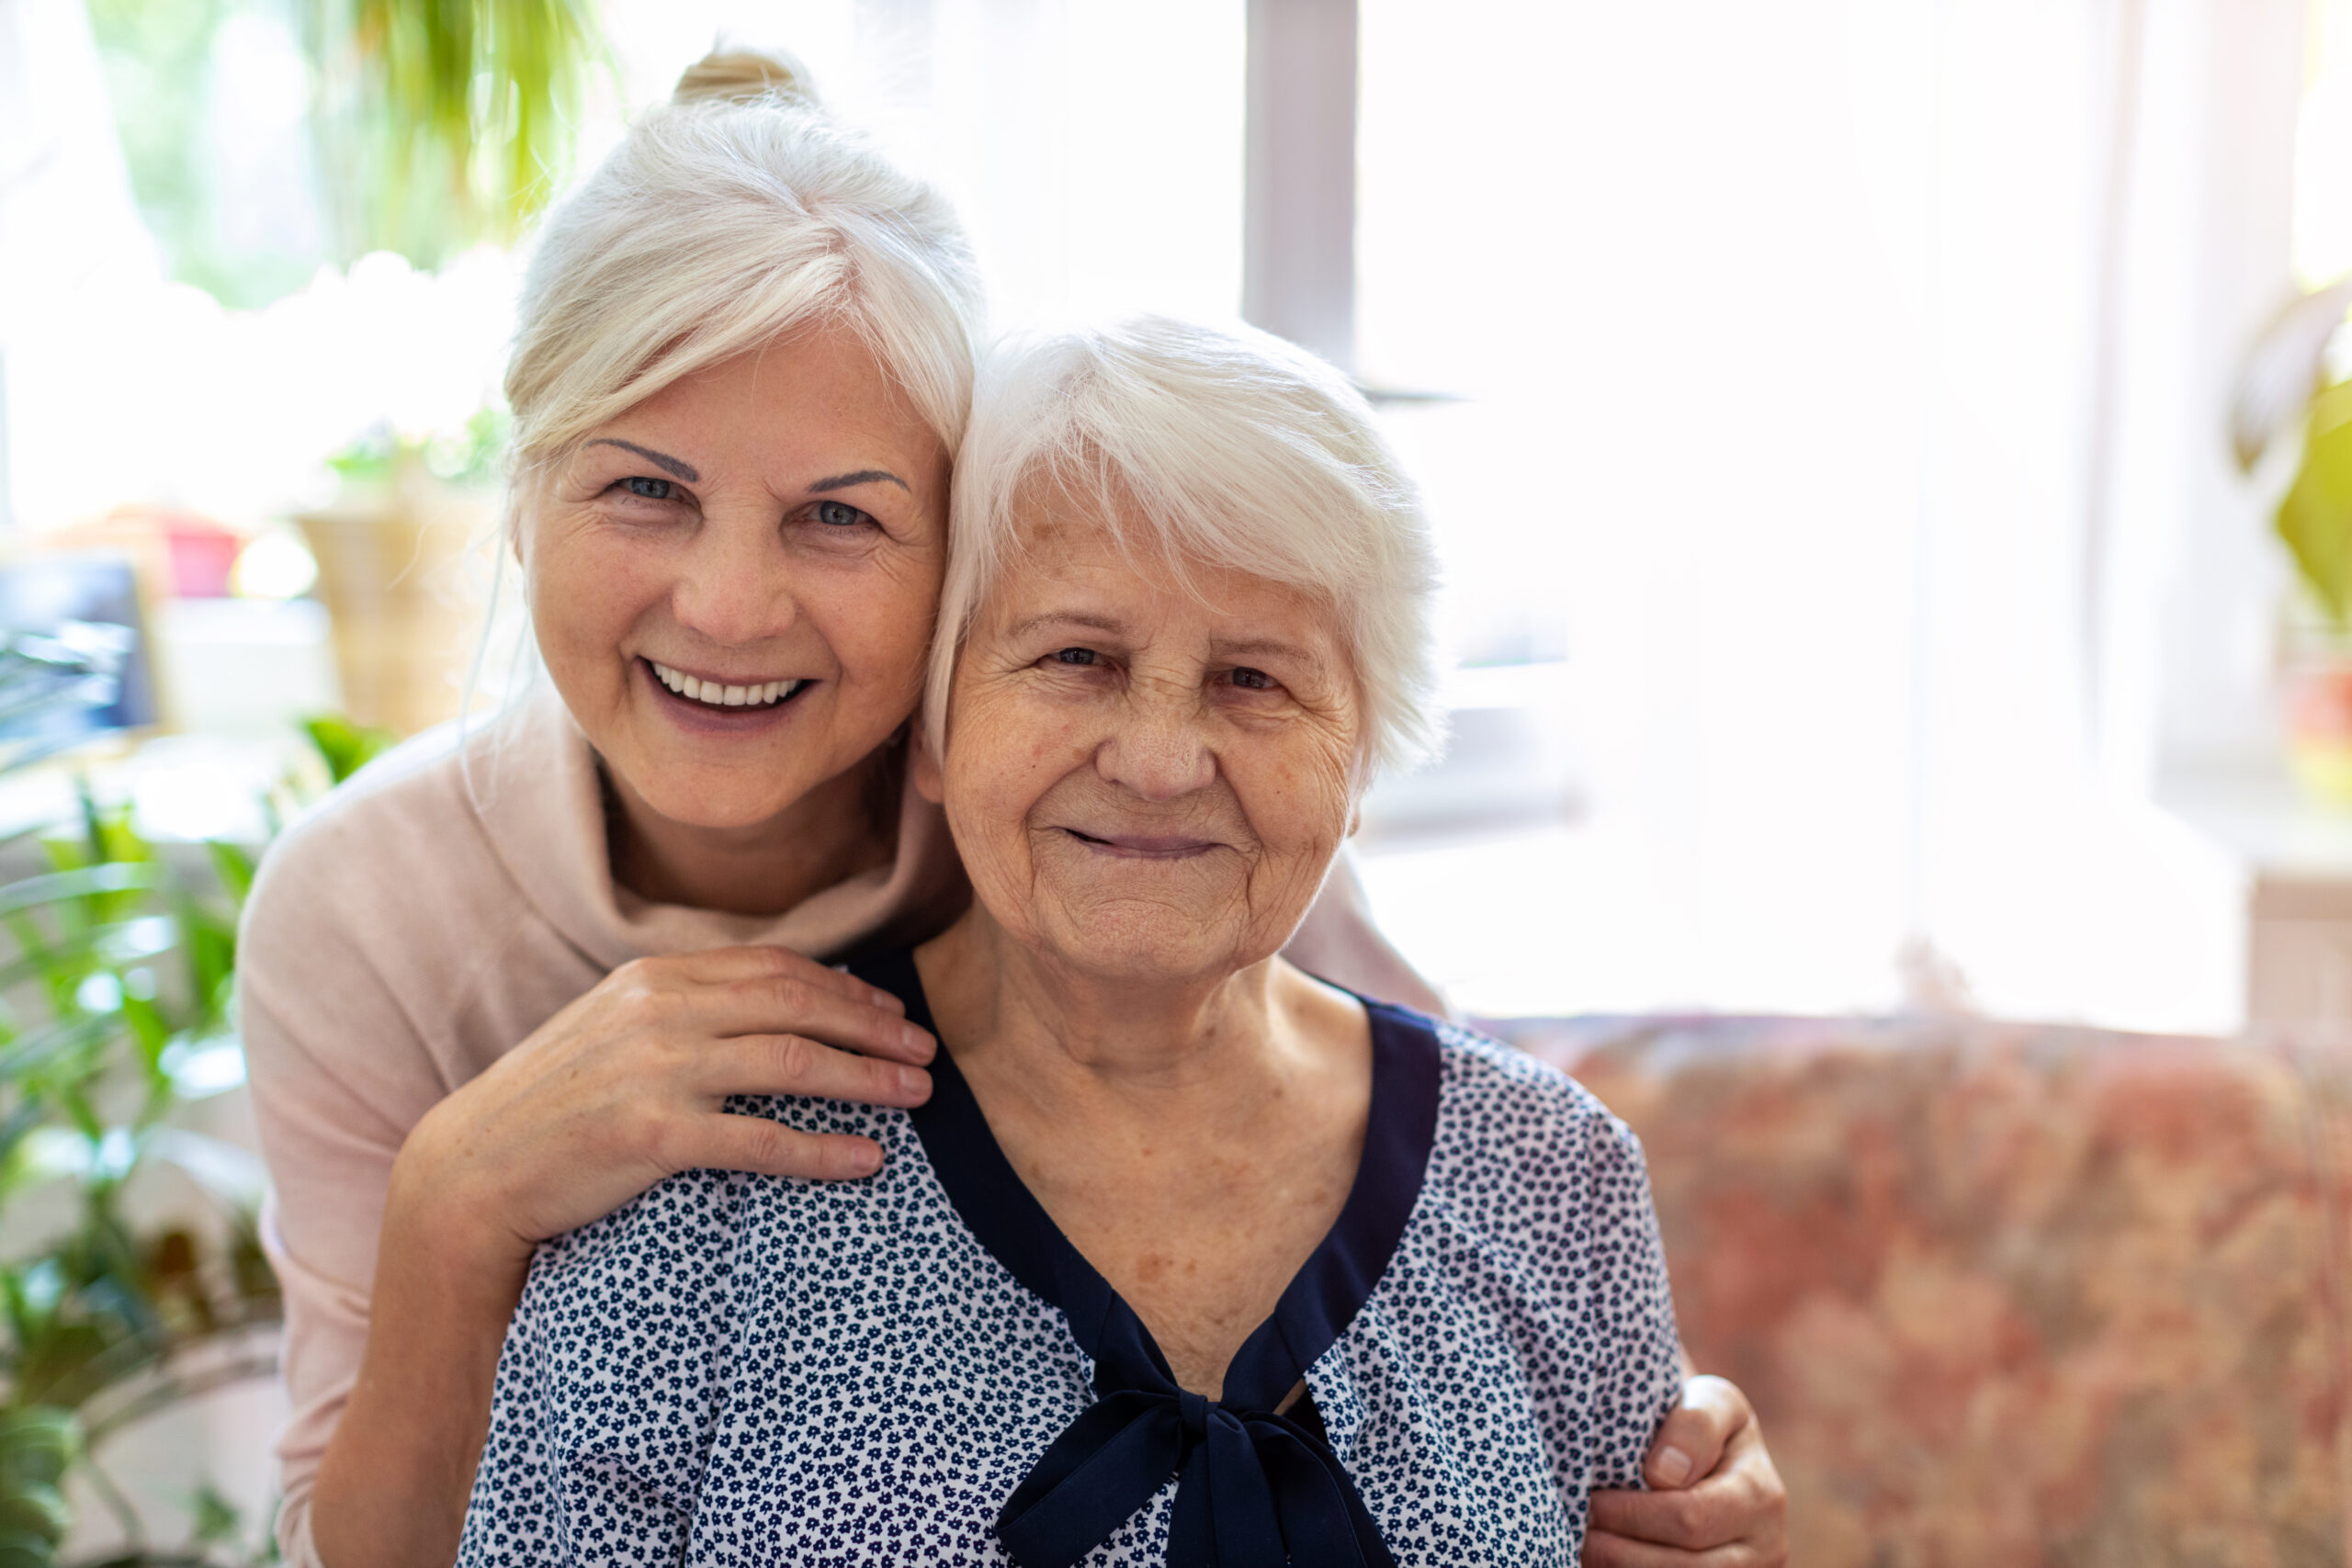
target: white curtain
1848 379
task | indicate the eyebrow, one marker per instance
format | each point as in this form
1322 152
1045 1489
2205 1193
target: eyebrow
661 460
863 476
1250 646
1068 618
1242 648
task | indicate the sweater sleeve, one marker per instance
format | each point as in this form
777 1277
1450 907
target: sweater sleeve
339 1072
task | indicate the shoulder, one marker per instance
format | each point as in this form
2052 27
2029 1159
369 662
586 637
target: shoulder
673 1245
1527 1165
396 847
665 1247
375 916
1500 1105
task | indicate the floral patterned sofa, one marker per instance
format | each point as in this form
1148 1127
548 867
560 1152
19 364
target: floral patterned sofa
2008 1295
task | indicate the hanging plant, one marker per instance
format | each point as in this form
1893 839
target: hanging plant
443 124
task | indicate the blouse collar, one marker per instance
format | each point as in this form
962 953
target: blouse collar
1251 1483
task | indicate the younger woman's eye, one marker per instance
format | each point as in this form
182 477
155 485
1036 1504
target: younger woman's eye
1253 680
649 488
1076 656
839 514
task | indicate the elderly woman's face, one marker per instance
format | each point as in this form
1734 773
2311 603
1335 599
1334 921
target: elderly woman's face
1147 777
733 584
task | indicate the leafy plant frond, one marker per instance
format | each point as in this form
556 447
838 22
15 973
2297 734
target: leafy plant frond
116 974
448 122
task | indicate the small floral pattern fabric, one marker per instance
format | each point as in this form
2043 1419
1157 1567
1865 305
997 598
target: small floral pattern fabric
744 1369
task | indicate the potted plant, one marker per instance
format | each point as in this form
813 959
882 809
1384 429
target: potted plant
400 568
117 963
2288 385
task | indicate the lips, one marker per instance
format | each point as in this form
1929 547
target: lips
1144 846
718 693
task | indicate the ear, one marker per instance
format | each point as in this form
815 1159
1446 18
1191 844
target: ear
1355 820
923 769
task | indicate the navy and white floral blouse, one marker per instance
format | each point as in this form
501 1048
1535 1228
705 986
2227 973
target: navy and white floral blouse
919 1369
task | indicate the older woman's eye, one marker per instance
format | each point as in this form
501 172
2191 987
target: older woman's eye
839 514
649 488
1079 656
1253 680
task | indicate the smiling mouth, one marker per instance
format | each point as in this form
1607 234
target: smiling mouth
718 694
1144 846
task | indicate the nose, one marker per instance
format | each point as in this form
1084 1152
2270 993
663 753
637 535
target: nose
1156 750
734 585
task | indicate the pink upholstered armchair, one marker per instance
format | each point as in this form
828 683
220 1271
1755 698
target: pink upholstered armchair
2008 1295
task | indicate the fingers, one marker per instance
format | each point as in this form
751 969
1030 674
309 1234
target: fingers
1691 1441
1734 1516
795 1004
792 1063
770 1148
1712 1514
722 966
1604 1551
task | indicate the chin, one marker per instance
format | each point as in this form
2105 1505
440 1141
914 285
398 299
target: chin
1149 946
711 803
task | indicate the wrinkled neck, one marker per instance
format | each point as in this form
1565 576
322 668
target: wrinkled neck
1016 1015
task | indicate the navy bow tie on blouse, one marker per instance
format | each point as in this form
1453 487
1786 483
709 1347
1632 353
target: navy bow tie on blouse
1254 1489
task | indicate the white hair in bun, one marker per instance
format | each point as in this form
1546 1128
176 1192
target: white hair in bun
736 212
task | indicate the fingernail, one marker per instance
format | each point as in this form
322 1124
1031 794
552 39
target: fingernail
869 1160
913 1039
914 1080
1673 1466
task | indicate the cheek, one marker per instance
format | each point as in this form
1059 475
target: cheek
586 591
1298 795
1006 755
879 625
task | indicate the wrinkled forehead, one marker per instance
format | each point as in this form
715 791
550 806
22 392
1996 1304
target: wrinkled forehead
1086 564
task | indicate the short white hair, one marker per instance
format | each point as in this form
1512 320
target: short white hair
1197 447
735 213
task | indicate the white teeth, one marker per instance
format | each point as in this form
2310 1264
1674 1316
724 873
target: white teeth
718 694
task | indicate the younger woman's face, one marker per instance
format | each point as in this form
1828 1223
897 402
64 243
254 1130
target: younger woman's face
733 583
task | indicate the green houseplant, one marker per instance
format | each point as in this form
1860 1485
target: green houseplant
435 125
117 963
444 123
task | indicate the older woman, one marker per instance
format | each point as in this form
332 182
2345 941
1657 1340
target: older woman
507 980
1190 1256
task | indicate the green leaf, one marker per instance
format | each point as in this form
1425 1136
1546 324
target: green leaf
451 120
2314 518
215 1519
36 1442
346 747
32 1052
235 869
83 882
